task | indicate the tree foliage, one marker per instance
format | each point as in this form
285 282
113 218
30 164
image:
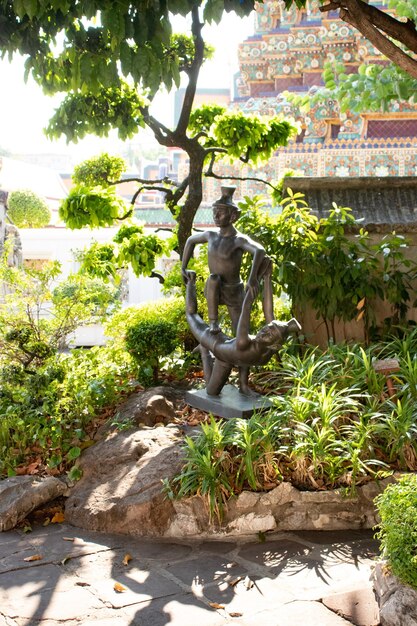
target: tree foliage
111 60
371 88
28 210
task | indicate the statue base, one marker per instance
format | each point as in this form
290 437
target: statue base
229 404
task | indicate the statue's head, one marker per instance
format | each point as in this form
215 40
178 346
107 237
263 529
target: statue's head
224 211
275 333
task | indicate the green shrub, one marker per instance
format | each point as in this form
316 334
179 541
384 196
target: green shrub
167 309
28 210
45 413
148 341
99 170
397 507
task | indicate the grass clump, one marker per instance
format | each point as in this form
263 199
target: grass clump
332 425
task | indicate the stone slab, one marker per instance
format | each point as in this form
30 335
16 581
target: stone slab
229 404
294 614
359 606
42 593
206 570
181 610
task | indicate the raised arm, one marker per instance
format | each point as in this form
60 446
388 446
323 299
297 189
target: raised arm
190 244
242 333
259 254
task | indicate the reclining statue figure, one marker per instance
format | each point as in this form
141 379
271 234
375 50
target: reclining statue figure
221 353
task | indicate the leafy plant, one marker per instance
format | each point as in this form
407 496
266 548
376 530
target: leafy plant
27 210
148 342
100 170
92 206
330 264
397 507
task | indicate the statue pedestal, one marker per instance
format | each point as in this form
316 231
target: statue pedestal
230 403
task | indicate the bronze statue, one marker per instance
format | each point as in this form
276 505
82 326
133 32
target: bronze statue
221 353
225 251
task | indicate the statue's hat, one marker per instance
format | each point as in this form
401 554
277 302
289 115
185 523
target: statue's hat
226 198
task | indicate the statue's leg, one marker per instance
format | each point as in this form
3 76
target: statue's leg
243 382
208 360
219 376
234 313
212 292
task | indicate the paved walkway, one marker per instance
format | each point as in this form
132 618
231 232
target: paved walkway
290 579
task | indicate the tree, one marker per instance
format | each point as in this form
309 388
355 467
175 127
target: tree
395 37
27 210
111 60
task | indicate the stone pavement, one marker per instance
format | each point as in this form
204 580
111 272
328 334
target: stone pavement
92 579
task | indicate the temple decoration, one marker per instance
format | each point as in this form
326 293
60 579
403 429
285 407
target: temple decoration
286 54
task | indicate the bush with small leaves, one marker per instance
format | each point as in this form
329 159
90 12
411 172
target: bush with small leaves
148 342
397 507
28 210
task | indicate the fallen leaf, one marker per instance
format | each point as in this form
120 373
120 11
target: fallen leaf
58 518
119 588
234 582
126 559
82 584
46 522
34 557
214 605
27 528
65 559
235 614
68 538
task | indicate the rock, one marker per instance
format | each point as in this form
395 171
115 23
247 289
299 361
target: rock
282 494
397 602
151 406
247 500
121 490
20 495
252 523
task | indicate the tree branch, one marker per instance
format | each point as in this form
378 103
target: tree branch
158 276
377 26
144 181
163 135
210 174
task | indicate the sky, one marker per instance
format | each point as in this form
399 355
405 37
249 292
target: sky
25 110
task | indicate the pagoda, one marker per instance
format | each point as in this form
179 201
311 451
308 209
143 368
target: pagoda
287 54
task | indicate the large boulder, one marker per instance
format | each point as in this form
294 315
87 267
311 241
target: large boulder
147 408
20 495
121 487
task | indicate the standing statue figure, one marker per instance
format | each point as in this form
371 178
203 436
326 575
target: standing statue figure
221 353
225 250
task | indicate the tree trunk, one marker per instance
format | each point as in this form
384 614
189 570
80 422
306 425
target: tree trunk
188 210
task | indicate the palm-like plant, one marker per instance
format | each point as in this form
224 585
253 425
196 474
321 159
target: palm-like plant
397 431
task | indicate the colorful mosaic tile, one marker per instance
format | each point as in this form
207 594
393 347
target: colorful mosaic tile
288 53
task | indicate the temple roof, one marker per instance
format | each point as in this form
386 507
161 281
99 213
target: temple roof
384 203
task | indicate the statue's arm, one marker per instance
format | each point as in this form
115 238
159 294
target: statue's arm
242 333
259 254
190 244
